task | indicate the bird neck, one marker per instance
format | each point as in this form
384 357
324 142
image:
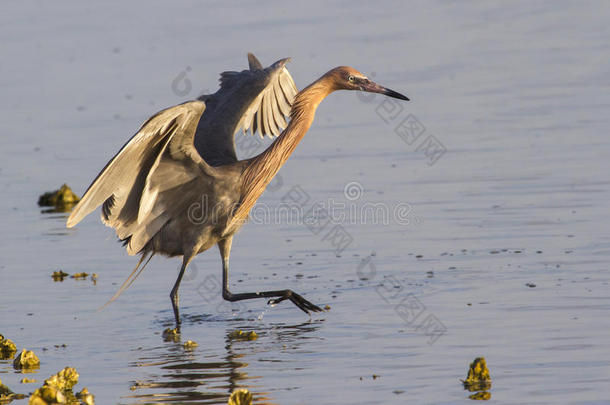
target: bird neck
260 170
264 167
302 115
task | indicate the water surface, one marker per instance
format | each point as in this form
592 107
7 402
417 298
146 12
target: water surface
517 94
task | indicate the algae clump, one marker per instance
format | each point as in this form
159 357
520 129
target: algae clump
63 200
64 380
480 396
478 378
240 397
7 348
80 276
241 335
46 395
26 360
4 390
58 389
6 395
59 275
86 397
189 345
171 335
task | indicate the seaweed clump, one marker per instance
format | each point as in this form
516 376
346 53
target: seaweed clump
59 275
58 389
7 348
241 335
26 361
86 397
6 395
62 200
64 380
240 397
171 335
4 389
478 379
480 396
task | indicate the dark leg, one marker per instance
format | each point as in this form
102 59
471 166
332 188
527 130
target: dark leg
277 295
174 294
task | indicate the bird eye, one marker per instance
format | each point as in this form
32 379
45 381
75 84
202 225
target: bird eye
351 78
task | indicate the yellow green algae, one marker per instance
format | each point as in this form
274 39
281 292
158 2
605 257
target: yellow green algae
46 395
241 335
478 377
7 395
480 396
86 397
26 380
7 348
64 380
57 389
63 200
59 275
26 360
240 397
189 345
4 390
171 335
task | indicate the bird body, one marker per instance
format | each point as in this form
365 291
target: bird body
177 189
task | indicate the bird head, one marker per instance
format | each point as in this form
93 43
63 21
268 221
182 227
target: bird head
348 78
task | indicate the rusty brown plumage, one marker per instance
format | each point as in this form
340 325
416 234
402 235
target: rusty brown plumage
261 169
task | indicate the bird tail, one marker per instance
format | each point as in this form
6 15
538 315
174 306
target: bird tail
132 277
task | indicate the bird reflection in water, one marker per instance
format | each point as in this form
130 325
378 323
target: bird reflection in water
177 375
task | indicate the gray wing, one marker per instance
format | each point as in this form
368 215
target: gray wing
255 100
132 187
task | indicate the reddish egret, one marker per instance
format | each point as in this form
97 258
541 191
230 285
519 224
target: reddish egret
185 155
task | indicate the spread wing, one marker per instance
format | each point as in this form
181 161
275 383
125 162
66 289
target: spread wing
267 113
256 101
132 188
173 153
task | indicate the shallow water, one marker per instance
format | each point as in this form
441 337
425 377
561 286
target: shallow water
518 95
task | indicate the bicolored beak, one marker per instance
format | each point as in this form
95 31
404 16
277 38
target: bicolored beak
373 87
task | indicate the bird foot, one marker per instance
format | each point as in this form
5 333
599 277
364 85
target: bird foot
297 300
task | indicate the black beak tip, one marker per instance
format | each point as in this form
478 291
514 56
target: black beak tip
395 94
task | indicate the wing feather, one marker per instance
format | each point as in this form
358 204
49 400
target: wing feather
256 101
259 118
279 120
282 103
268 116
277 99
160 157
253 62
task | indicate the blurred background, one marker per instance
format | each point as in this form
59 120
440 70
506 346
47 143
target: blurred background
498 165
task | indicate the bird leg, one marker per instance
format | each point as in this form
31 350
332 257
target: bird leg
281 295
174 294
276 295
